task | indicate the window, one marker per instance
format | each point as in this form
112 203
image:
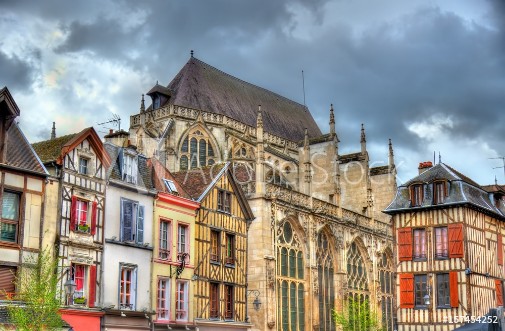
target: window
163 308
420 290
83 166
443 294
183 242
224 201
7 278
387 283
214 245
170 185
214 300
416 195
441 244
127 287
165 240
129 169
439 192
83 215
78 274
419 244
132 221
181 301
9 224
196 151
228 303
326 283
230 249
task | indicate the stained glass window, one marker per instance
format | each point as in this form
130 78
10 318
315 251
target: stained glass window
326 283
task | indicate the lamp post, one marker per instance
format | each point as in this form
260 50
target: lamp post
69 289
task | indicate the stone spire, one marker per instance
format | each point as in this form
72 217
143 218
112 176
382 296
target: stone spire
53 131
391 156
260 154
142 105
332 121
306 145
363 139
307 178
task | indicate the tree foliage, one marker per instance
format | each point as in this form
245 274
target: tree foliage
35 305
356 316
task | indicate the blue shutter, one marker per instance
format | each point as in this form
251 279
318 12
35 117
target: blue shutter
120 158
140 225
126 220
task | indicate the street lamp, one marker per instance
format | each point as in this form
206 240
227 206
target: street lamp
69 288
256 302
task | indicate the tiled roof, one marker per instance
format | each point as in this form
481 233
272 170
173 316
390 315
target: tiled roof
19 152
159 172
50 150
461 190
159 89
144 171
196 181
201 86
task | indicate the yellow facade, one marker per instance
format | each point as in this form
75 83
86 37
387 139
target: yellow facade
167 263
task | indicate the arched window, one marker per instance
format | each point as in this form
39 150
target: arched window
326 283
385 267
196 151
290 280
358 296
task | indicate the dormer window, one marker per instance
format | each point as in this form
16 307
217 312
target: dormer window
83 166
416 195
156 101
129 169
439 192
170 186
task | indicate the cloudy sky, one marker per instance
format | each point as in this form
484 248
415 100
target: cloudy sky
428 74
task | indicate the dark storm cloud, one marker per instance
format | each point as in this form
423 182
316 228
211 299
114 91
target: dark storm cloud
14 73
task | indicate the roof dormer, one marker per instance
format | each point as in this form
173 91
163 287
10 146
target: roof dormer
159 95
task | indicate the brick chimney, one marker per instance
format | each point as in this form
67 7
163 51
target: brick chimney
423 166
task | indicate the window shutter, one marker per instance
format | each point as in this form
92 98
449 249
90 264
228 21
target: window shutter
140 225
453 288
121 165
405 244
7 278
499 292
406 291
73 213
127 220
455 233
93 217
499 248
92 286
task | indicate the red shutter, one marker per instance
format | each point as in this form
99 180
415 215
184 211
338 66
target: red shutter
92 286
404 244
73 213
455 233
499 251
499 292
453 288
406 291
93 218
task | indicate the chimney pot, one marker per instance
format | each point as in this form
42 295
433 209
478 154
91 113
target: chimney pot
423 166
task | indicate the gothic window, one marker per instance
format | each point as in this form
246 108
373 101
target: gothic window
385 268
196 151
358 296
290 280
326 283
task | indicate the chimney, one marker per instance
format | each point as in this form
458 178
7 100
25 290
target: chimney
118 138
423 166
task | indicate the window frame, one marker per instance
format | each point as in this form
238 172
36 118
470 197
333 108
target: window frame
224 199
420 290
137 222
129 173
168 240
186 241
214 300
444 255
419 245
128 292
416 194
166 300
83 166
14 221
181 303
215 246
446 293
439 191
84 291
230 245
191 150
229 302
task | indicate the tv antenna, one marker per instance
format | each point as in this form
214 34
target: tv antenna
499 158
116 119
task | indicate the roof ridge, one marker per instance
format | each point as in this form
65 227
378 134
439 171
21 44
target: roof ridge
250 84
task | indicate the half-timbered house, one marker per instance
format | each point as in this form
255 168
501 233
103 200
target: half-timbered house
220 271
128 237
78 164
22 189
449 249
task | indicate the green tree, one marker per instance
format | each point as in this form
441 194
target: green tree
356 315
35 305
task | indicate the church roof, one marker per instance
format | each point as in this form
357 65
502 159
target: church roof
201 86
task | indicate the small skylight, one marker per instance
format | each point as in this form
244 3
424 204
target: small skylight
170 185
